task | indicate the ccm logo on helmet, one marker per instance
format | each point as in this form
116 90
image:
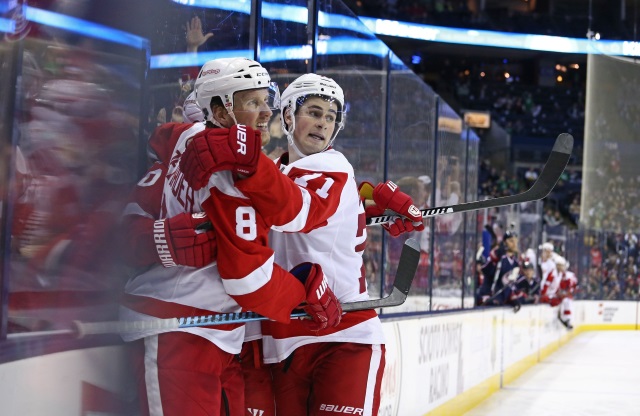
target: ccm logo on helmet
241 139
210 72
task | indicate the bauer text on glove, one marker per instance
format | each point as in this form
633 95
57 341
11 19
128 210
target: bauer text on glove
212 150
179 244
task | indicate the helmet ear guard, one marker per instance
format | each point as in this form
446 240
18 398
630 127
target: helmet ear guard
191 111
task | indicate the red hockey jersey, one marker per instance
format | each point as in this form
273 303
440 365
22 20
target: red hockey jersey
550 280
568 284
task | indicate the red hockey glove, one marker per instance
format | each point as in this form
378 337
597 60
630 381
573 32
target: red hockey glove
236 149
322 304
401 226
178 243
387 195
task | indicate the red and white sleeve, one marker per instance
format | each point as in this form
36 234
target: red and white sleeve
139 249
245 261
163 140
300 201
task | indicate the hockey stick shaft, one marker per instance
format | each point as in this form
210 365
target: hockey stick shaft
407 266
512 285
495 295
553 168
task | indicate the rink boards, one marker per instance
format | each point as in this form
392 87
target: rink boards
442 364
445 364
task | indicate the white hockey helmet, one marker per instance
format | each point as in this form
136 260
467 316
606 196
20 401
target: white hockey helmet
546 246
311 85
559 260
191 111
225 76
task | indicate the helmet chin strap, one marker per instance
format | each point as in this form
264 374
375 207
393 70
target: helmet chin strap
292 144
229 107
290 139
233 116
217 123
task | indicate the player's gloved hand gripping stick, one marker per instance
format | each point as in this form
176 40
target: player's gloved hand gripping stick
385 196
551 172
322 304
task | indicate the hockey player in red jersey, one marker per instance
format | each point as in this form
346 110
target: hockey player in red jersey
566 291
324 222
549 280
185 371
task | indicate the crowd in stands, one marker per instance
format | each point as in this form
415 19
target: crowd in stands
571 19
526 110
562 207
608 261
613 267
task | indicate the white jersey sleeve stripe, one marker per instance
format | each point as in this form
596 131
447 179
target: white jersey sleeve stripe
223 180
300 220
252 282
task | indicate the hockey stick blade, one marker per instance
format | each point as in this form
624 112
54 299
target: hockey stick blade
407 266
558 160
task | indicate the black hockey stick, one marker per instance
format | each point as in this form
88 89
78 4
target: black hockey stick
560 155
495 295
407 266
512 285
